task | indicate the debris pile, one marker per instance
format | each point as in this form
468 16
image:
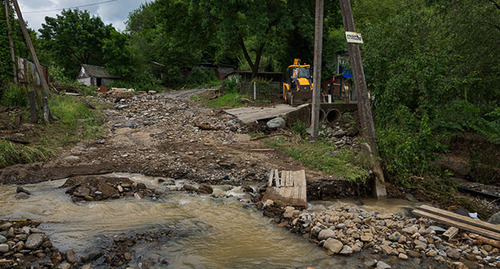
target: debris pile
348 230
98 188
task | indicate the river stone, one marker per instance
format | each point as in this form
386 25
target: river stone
453 253
56 257
410 230
288 214
413 253
388 250
64 265
127 256
333 245
81 192
437 229
495 218
3 239
20 189
402 239
431 253
367 237
402 256
315 231
325 234
420 245
189 188
395 236
10 233
205 189
4 248
383 265
458 265
70 256
5 226
21 196
34 241
107 191
346 250
276 123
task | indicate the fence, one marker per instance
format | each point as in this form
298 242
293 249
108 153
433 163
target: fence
26 72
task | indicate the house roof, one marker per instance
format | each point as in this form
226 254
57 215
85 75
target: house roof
97 71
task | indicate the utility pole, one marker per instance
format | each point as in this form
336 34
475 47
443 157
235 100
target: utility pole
364 107
11 43
318 49
38 67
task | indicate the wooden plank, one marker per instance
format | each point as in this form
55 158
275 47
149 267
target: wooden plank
291 179
458 224
300 178
451 232
276 176
457 217
285 178
270 182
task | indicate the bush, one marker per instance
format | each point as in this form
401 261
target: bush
231 85
408 148
144 81
15 95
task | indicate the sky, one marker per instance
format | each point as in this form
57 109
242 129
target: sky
113 12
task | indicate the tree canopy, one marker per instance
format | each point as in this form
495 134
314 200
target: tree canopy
74 38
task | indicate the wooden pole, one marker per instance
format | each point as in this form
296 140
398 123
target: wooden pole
38 67
318 49
364 106
11 43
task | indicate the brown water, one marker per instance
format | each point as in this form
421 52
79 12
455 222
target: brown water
216 232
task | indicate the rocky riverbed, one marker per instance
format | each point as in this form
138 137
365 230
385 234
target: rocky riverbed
351 230
23 245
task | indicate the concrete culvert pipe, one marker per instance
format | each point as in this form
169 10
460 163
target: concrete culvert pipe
321 115
333 115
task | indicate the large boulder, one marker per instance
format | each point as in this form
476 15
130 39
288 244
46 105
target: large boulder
276 123
333 246
325 234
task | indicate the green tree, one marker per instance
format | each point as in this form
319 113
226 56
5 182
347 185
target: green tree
5 59
117 54
74 38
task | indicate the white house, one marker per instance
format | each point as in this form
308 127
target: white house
92 75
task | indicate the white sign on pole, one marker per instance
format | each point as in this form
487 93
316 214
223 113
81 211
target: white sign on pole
353 37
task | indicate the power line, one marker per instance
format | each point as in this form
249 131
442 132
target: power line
58 9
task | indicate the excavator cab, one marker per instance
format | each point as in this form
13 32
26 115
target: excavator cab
297 88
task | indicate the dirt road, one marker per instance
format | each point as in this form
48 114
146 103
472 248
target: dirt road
164 135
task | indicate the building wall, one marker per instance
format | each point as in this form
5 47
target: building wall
85 81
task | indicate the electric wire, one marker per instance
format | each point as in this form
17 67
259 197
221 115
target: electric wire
58 9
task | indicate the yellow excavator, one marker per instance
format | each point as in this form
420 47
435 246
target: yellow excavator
297 87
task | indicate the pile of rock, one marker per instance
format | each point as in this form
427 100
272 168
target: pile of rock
23 245
98 188
347 230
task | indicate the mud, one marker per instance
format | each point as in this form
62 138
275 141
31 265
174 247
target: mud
168 135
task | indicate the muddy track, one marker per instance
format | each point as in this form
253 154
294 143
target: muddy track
159 135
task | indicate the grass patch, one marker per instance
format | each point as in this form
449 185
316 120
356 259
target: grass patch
79 119
226 100
321 155
11 153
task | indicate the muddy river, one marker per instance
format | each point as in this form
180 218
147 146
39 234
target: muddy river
212 232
